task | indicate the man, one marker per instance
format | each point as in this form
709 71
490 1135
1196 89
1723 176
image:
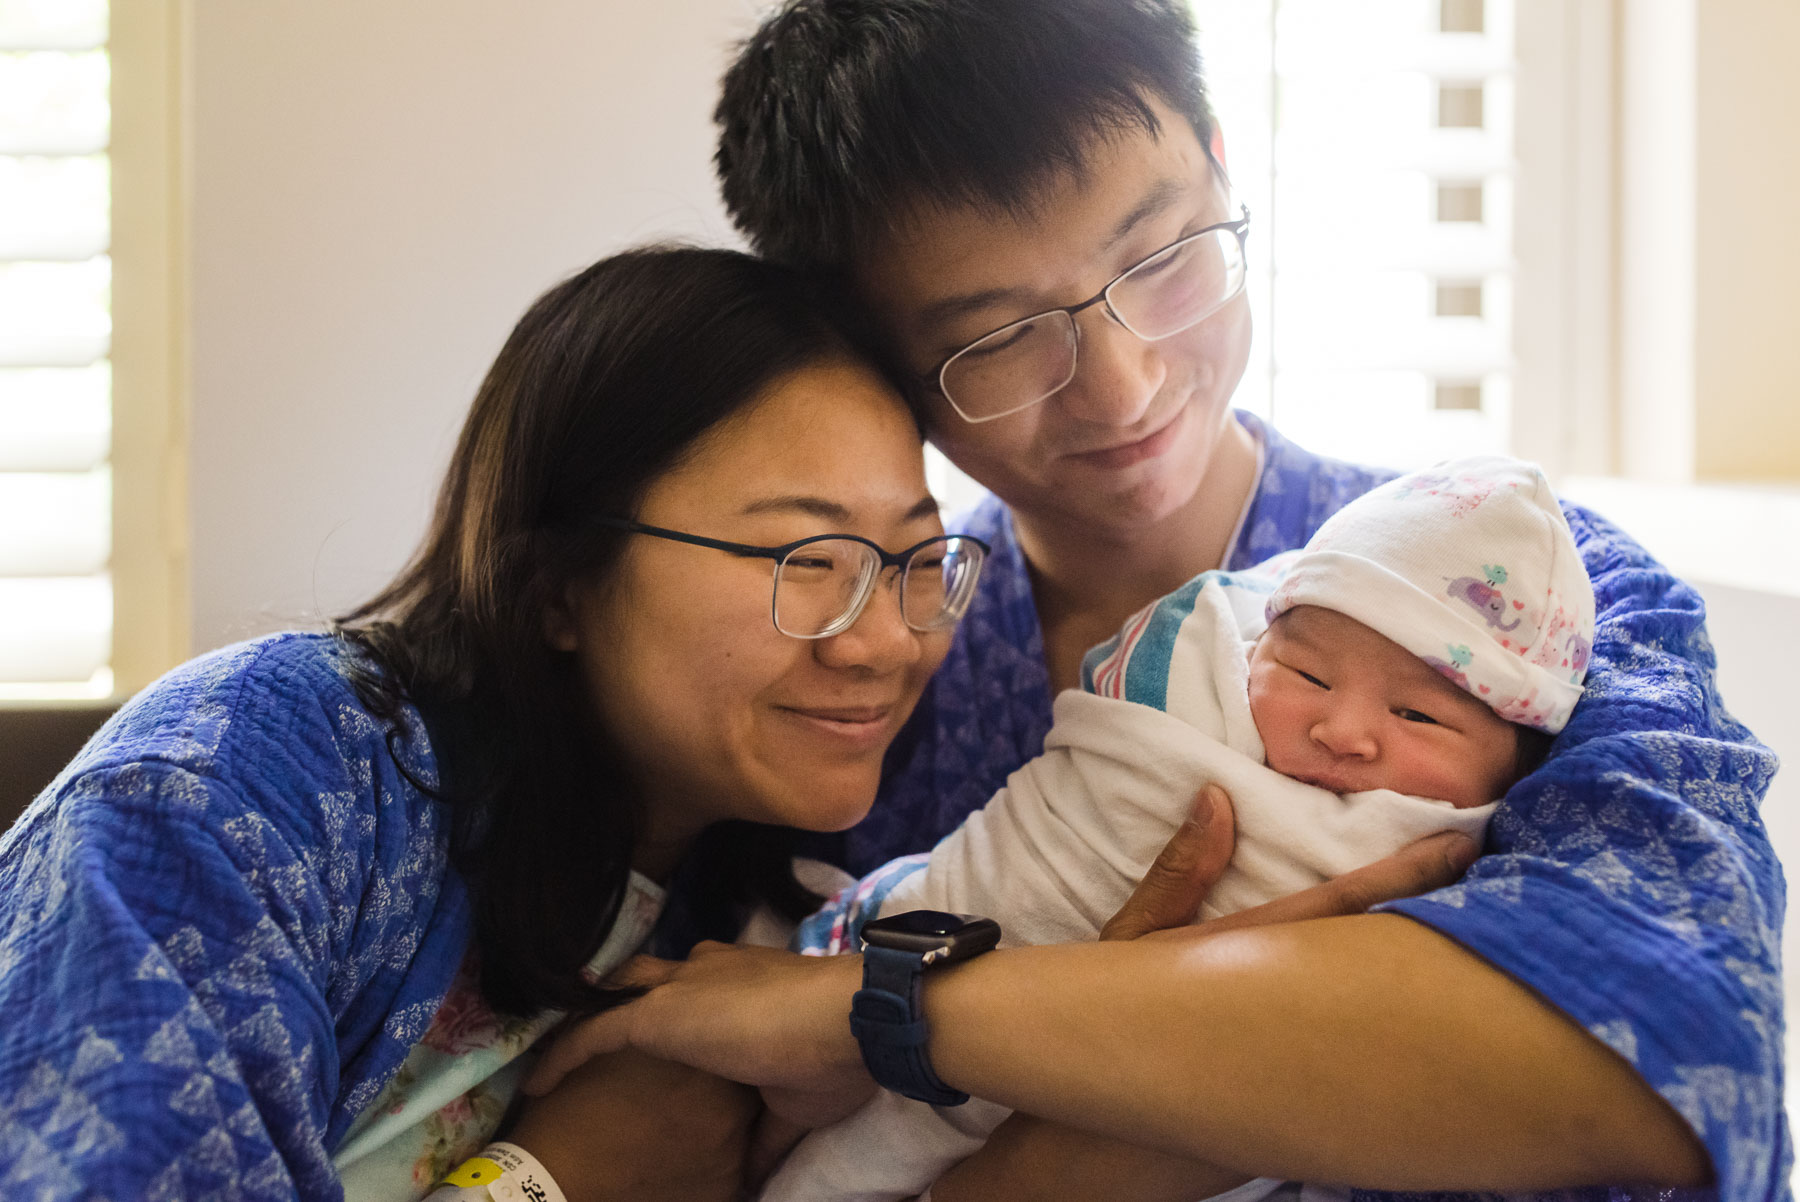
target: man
1030 198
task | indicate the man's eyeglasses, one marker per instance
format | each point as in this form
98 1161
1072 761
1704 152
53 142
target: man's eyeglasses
1175 289
822 583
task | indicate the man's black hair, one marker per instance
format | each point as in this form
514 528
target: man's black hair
838 116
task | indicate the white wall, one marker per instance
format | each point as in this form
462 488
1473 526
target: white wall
378 192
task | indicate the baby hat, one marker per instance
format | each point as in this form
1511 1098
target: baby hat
1470 566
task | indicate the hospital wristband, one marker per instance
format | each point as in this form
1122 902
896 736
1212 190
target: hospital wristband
500 1172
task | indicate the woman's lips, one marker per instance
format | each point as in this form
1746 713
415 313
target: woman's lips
856 723
1126 454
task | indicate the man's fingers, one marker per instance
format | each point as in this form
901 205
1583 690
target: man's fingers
1184 872
576 1046
1431 863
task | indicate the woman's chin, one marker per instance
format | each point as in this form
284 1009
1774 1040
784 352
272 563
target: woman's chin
829 802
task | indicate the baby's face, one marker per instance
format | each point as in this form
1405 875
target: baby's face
1342 707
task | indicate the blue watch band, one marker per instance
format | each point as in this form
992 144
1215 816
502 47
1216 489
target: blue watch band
889 1026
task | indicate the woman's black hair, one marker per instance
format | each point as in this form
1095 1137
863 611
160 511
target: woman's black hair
605 384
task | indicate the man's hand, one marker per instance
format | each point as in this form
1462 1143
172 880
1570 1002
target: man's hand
1029 1158
1184 872
629 1126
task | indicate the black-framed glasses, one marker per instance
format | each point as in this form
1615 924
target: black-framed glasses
1023 362
822 583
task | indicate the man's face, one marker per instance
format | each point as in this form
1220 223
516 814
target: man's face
1129 439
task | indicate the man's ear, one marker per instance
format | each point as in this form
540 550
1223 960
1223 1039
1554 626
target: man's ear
1217 145
562 620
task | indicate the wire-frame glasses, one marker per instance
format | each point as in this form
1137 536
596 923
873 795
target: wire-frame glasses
822 583
1175 289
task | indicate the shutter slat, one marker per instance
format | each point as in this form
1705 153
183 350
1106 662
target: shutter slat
55 629
56 420
56 602
65 531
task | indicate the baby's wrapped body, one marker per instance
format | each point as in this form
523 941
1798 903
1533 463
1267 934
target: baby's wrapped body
1165 710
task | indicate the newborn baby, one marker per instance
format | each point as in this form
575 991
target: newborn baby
1391 679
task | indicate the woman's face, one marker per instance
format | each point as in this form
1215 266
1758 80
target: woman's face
721 715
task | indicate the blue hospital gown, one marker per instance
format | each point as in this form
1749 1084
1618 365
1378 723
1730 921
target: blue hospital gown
1629 880
222 929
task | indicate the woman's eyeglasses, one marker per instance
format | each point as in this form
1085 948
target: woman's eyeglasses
822 583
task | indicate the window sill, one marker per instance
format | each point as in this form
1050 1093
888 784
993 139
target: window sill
1744 536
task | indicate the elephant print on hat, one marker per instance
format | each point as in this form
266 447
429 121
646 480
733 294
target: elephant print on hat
1485 596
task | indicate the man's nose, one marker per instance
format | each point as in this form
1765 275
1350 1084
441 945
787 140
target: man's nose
1117 374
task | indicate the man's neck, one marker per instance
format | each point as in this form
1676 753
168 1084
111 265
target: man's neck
1085 584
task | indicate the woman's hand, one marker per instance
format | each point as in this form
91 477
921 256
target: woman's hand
752 1014
630 1126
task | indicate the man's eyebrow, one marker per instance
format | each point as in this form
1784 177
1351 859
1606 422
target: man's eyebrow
941 312
1161 194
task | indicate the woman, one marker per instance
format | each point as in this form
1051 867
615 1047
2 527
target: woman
286 924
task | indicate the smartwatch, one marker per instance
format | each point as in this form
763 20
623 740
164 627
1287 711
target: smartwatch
885 1014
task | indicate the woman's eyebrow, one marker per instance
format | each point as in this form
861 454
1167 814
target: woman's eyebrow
831 511
817 507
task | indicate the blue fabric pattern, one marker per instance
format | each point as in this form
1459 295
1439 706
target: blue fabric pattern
221 929
1629 881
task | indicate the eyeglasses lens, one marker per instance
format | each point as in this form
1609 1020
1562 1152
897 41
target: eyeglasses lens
1181 287
1021 364
820 585
940 579
820 588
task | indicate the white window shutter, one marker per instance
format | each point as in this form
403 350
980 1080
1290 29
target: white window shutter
1374 143
55 329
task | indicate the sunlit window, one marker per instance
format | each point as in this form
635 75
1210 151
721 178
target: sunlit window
1373 142
55 331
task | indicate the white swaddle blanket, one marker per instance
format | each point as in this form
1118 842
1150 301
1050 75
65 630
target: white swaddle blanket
1056 852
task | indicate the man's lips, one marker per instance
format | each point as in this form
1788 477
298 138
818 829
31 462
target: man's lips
1136 451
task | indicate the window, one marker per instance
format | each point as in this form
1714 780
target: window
55 338
1374 145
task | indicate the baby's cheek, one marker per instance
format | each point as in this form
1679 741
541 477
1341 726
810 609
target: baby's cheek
1272 723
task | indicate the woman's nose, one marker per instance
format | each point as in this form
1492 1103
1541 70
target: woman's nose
879 638
1117 374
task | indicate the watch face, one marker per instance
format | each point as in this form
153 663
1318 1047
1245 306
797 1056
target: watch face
933 933
922 922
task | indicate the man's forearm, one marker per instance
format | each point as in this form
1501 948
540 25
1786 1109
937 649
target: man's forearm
1365 1049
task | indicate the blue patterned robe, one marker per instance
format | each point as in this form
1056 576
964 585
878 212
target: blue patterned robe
221 930
225 924
1629 881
